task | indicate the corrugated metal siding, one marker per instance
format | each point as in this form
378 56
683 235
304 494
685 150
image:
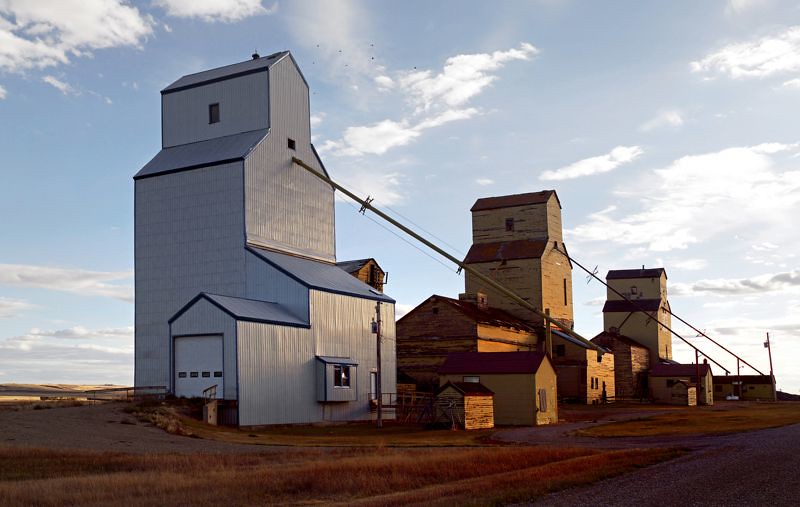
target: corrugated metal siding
288 208
277 370
205 318
243 106
189 238
252 309
267 283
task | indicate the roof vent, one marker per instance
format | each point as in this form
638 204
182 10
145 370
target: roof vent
255 55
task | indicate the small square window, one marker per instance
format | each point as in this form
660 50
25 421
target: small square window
181 374
472 379
206 374
213 113
193 374
509 224
561 350
435 310
291 144
217 374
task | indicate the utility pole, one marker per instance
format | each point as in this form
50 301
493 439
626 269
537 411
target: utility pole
771 373
378 393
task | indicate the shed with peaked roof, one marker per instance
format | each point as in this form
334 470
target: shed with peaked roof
663 378
745 387
524 383
468 405
631 365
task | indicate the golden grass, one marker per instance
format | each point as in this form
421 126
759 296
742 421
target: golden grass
478 476
720 419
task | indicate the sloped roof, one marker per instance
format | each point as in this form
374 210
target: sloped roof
605 338
621 305
679 370
575 341
320 275
492 362
621 274
510 201
227 72
251 310
490 316
219 150
506 250
355 265
468 388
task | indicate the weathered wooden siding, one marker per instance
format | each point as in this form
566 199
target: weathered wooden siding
205 318
643 329
677 394
243 106
478 412
604 373
287 207
523 276
556 284
189 238
534 221
545 379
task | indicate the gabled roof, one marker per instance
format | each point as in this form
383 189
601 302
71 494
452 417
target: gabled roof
510 201
354 265
490 316
215 151
577 342
468 388
227 72
250 310
605 339
622 274
492 362
621 305
320 275
506 250
679 370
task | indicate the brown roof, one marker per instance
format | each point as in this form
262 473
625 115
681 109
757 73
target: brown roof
489 315
745 379
606 339
679 370
621 305
491 362
506 250
468 388
621 274
510 201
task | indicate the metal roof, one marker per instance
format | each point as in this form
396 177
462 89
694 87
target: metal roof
506 250
251 310
355 265
679 370
227 72
623 274
607 340
337 360
214 151
510 201
575 341
745 379
468 388
492 362
320 275
621 305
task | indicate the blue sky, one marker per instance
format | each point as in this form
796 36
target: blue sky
669 130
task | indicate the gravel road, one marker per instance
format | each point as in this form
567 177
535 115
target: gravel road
758 468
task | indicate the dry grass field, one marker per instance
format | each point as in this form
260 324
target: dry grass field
722 418
374 476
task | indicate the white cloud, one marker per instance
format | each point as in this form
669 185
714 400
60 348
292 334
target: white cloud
690 264
484 181
316 120
227 11
777 54
384 82
10 308
699 197
78 281
2 93
401 309
774 282
792 83
741 6
667 118
61 86
594 165
46 33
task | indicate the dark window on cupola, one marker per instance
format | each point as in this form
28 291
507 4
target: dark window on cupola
213 113
509 224
291 144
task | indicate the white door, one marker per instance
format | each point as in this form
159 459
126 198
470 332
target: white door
198 365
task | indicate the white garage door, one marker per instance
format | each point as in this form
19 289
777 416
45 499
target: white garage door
198 365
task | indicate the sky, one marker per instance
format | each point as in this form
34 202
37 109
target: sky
668 129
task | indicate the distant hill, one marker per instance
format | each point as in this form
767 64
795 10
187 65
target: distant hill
782 396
